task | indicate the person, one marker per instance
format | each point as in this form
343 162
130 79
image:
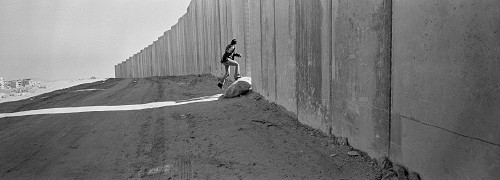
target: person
228 60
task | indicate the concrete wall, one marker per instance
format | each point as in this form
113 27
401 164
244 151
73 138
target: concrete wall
416 81
445 93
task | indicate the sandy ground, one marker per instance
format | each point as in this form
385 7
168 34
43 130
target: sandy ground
237 138
49 87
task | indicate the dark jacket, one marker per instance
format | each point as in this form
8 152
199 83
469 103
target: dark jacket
229 53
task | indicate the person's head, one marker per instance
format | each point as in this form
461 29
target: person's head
233 42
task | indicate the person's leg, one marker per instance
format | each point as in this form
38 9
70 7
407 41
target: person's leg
236 67
226 74
223 79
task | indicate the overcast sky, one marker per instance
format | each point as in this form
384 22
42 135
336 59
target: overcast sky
70 39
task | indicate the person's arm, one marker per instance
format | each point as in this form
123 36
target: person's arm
235 53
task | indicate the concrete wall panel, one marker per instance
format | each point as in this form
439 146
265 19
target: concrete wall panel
199 31
166 53
170 54
187 59
313 32
140 66
129 67
182 48
117 71
268 50
217 69
175 51
149 61
135 66
223 31
160 49
192 41
237 20
229 21
157 55
172 50
285 54
145 61
210 59
126 68
246 34
160 57
255 46
154 60
446 76
143 68
120 70
193 48
145 64
361 74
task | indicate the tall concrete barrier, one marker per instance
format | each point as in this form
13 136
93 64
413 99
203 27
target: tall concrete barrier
416 81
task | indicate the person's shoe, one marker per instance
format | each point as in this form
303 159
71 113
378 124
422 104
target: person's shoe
220 85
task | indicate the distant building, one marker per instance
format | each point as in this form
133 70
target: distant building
28 82
14 84
2 83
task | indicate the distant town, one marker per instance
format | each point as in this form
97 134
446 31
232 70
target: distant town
13 84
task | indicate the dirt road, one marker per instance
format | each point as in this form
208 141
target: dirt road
238 138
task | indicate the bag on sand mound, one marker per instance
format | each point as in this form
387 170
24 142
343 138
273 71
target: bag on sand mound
241 86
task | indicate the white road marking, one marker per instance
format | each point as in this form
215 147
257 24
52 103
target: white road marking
67 110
